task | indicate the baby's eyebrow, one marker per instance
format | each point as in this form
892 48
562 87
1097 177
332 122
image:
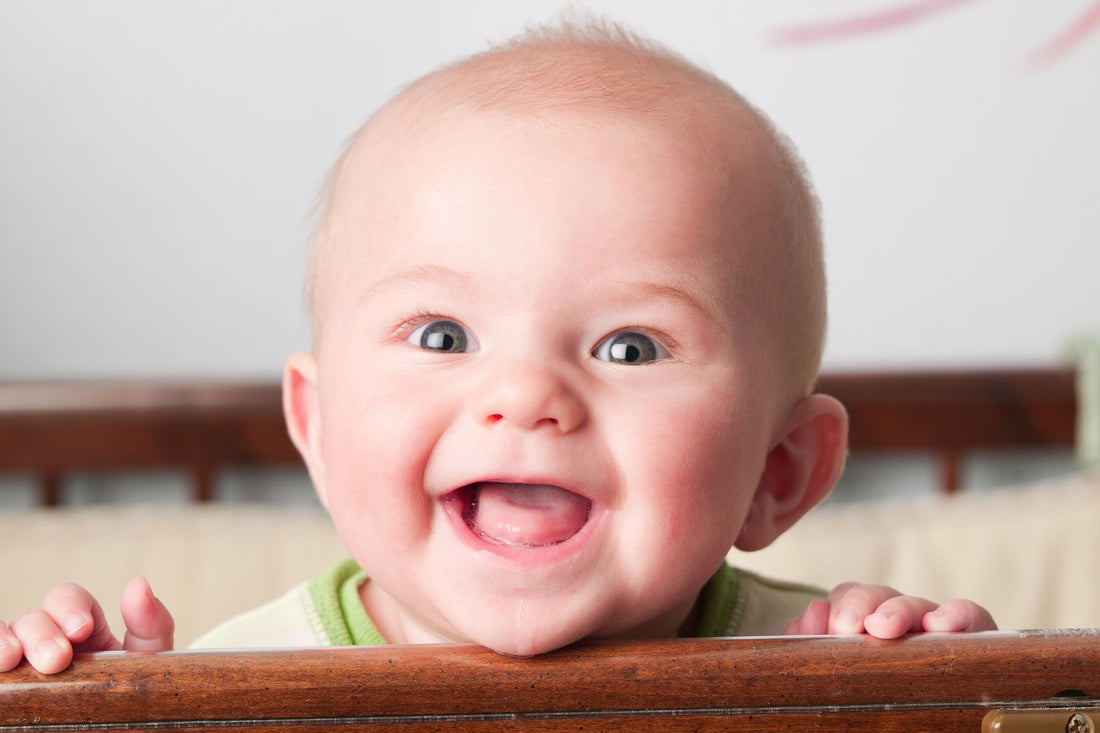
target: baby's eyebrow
422 275
645 290
624 291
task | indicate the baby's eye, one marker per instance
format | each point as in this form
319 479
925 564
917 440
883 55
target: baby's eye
443 336
630 347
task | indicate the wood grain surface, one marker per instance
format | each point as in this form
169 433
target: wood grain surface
922 682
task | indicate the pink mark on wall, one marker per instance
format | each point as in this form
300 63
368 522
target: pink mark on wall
1071 37
857 25
903 15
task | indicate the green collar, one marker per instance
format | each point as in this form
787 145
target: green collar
335 595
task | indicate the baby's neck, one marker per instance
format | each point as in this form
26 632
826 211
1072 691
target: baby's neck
393 622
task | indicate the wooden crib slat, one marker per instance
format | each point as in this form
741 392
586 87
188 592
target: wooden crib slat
923 682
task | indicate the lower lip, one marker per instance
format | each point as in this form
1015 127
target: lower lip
454 506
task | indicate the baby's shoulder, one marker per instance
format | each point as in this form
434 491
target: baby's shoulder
766 605
291 620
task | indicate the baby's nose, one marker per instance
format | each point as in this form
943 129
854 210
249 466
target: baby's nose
530 396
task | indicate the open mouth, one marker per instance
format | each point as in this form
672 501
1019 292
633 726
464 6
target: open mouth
522 515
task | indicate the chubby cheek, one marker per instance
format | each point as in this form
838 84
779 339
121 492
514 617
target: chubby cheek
376 444
692 475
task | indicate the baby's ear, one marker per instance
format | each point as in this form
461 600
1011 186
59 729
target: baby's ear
800 470
303 415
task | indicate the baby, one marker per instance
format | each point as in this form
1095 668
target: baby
568 304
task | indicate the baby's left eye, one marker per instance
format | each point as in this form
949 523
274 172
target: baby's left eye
630 347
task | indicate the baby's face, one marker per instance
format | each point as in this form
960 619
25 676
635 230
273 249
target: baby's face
542 417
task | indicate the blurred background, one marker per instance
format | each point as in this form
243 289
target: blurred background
160 159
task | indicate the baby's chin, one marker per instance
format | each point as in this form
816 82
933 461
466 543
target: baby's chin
526 625
529 640
529 647
561 632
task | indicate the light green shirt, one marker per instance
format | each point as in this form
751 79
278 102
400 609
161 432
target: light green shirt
326 611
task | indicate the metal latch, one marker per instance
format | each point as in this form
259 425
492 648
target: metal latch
1042 721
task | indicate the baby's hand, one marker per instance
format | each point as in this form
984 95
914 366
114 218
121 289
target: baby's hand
71 620
883 612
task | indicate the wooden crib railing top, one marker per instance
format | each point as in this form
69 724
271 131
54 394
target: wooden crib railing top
53 429
923 682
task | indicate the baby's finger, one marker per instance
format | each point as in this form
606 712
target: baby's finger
813 621
838 592
80 618
853 603
898 616
11 651
149 625
959 615
43 643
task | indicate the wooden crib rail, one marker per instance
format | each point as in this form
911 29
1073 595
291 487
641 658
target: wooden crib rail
923 682
55 429
952 413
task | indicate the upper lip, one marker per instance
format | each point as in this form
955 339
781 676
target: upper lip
522 479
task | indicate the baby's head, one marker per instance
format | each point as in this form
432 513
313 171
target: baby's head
568 307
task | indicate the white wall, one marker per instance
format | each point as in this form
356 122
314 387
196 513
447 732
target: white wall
158 163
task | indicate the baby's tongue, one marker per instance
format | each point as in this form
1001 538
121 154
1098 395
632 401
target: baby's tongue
531 515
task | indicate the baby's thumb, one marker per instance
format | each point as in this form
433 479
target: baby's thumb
149 626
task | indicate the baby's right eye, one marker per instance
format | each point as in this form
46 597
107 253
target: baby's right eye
630 347
443 336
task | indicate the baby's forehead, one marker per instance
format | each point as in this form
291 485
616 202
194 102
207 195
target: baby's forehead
411 144
404 167
720 137
405 162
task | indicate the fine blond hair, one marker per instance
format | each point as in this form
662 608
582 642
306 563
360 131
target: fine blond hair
611 76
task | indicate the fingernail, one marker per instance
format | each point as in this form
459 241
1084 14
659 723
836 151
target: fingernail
849 615
73 623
